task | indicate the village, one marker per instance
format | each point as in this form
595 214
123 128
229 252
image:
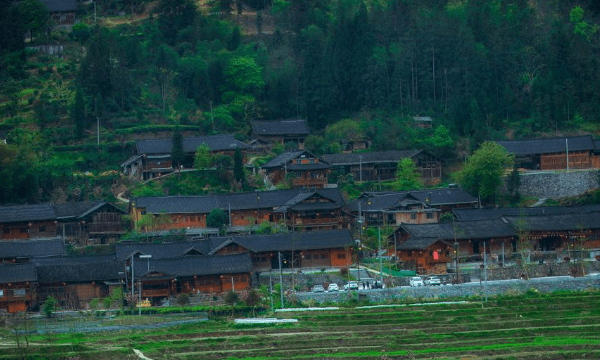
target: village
179 247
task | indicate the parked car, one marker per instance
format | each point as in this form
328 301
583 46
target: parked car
433 280
333 287
351 285
416 281
318 288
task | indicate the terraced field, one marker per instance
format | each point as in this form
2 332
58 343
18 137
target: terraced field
555 326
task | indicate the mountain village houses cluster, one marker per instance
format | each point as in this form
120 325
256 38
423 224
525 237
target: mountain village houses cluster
315 220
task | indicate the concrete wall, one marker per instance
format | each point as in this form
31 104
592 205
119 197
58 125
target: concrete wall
558 184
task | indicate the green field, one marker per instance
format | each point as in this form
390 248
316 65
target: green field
552 326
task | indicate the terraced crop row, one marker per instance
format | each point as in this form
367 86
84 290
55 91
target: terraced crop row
559 326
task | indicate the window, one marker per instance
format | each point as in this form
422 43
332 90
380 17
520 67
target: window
18 292
323 256
1 293
413 215
42 229
430 215
23 230
6 231
341 256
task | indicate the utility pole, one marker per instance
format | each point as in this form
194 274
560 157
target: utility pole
380 260
280 280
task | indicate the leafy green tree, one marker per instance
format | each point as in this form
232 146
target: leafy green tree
177 154
217 218
203 159
175 16
482 174
238 167
408 176
49 306
34 15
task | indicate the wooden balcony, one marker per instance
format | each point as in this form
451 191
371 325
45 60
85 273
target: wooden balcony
318 182
155 293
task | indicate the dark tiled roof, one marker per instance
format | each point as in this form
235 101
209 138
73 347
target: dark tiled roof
280 127
481 229
439 197
14 273
26 213
561 222
297 241
370 157
420 243
75 210
32 248
286 157
164 250
60 5
549 145
190 144
382 201
198 265
480 214
239 201
79 269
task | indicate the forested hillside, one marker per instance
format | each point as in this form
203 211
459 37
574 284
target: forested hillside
481 69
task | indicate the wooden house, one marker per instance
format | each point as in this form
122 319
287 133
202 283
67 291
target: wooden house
299 250
91 222
309 210
75 281
17 286
423 122
428 255
153 157
192 274
572 152
99 221
468 237
62 12
283 132
27 222
304 169
24 251
408 207
382 165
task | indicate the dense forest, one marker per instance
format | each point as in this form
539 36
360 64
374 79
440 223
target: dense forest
483 70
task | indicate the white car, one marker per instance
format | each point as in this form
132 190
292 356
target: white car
416 281
333 287
318 288
433 280
351 285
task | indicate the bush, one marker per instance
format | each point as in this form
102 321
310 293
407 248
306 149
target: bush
49 306
183 299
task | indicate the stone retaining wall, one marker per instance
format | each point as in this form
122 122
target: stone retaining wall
557 184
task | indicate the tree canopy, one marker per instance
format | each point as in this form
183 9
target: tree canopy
482 174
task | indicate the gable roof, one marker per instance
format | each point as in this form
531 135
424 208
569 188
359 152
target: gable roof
558 222
14 273
21 213
297 241
280 127
481 229
285 158
60 5
198 265
190 144
45 212
236 201
163 250
389 200
79 269
372 157
32 248
549 145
